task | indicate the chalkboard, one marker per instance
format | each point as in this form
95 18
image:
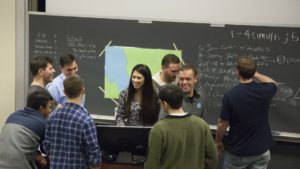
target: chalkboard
213 49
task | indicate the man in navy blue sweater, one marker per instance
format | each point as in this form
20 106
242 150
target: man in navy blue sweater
23 132
245 110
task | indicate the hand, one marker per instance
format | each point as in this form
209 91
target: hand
41 160
58 106
220 148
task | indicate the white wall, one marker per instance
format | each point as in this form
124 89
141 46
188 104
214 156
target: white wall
254 12
7 59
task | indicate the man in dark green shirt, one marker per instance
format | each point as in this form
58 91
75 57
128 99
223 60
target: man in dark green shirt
180 140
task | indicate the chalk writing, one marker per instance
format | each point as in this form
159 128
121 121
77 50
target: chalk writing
45 44
248 34
217 63
281 59
80 47
297 94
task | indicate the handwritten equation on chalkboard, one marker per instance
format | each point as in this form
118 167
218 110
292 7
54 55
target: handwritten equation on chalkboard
48 44
216 62
289 37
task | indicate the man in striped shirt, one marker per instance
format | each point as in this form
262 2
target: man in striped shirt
71 137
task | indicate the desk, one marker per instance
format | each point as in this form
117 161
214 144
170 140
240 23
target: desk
120 166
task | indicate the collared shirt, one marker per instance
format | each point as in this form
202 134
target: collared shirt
56 89
71 139
193 105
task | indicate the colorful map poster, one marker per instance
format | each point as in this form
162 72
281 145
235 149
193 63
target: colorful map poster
119 62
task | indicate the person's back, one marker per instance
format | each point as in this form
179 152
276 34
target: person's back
67 136
245 110
185 143
249 123
71 136
180 140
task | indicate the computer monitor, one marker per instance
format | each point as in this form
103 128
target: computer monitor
123 144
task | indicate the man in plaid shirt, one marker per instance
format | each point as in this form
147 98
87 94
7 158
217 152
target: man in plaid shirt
71 136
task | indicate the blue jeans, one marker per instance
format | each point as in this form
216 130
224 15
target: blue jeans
251 162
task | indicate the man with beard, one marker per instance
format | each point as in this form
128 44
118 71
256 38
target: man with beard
170 65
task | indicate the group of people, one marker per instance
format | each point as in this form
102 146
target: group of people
180 137
139 104
54 128
55 125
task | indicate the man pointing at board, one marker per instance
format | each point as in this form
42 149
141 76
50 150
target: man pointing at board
245 109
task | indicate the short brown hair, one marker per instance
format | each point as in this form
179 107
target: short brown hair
246 67
172 94
73 86
168 59
66 59
39 62
189 67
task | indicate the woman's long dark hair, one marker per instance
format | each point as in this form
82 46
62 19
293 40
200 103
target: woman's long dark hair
150 106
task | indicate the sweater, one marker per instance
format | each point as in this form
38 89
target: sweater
178 142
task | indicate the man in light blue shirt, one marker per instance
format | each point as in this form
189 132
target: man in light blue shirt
68 66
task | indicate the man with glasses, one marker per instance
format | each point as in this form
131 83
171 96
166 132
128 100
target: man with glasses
168 75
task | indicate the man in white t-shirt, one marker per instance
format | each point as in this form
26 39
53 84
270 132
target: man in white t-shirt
170 66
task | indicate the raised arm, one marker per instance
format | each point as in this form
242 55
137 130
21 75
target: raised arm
263 78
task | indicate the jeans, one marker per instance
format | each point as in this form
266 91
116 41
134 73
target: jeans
251 162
